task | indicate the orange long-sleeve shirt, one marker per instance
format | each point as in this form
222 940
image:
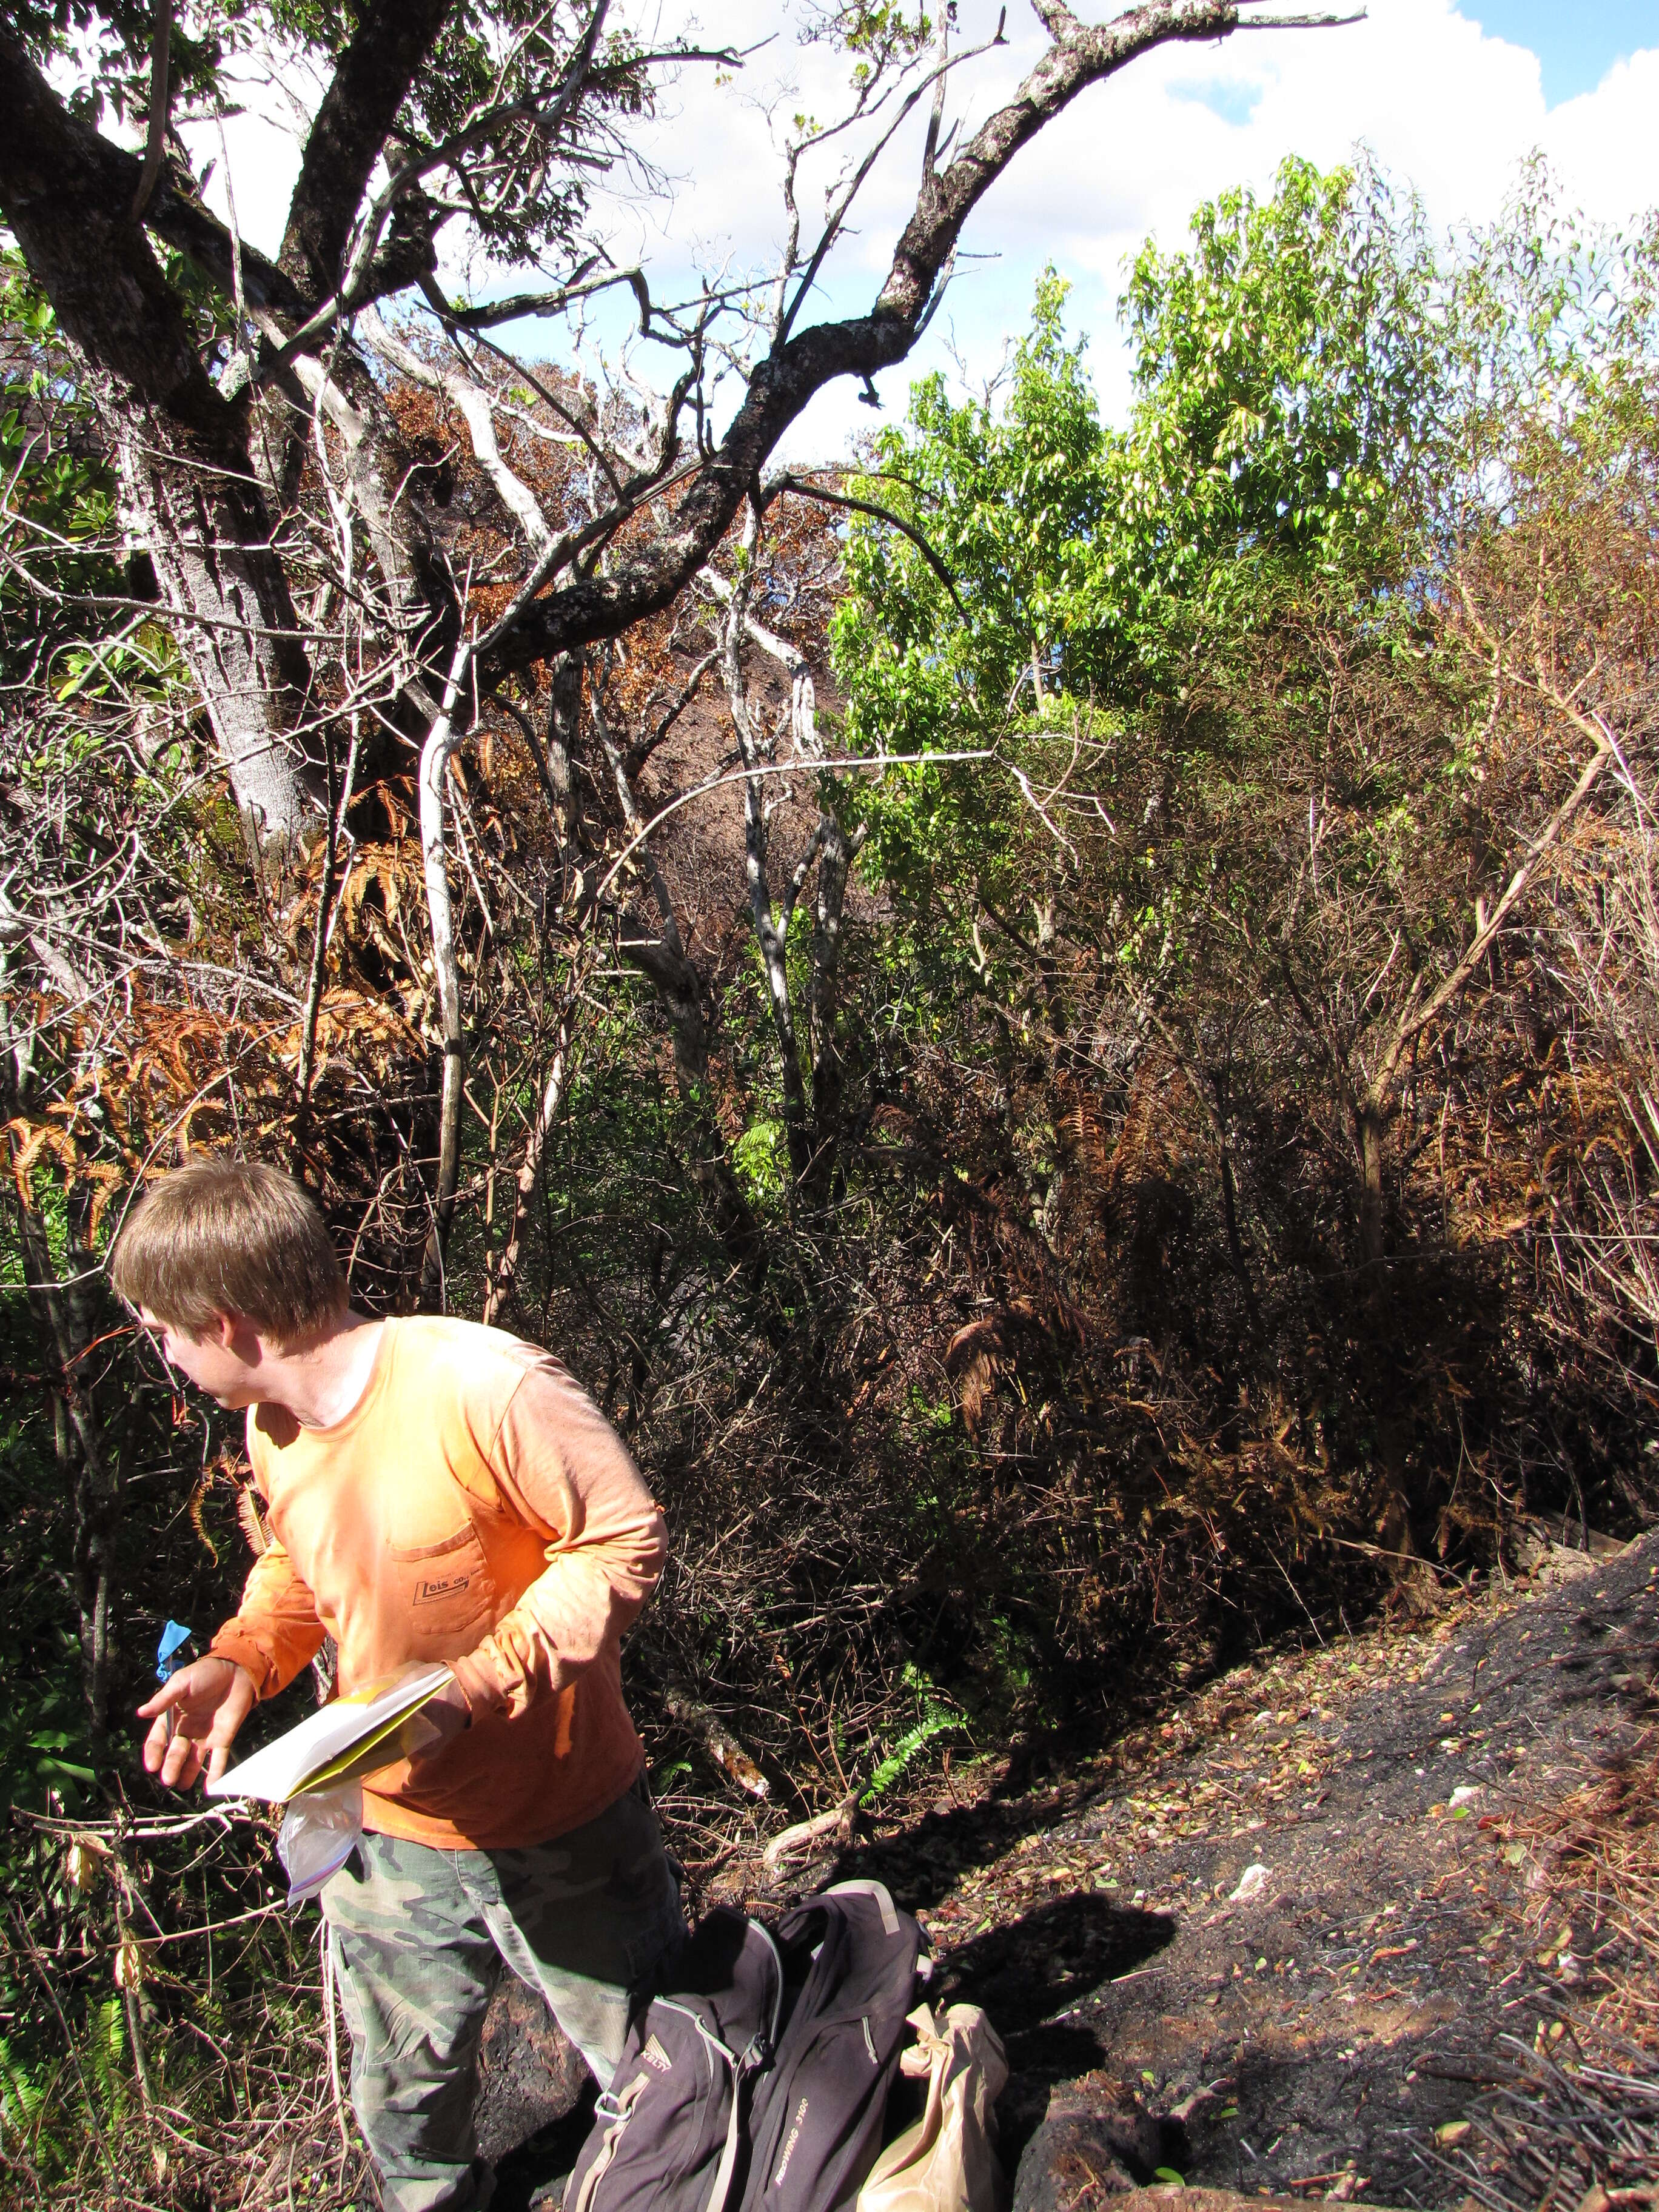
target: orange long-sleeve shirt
475 1506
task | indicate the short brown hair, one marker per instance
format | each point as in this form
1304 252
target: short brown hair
225 1236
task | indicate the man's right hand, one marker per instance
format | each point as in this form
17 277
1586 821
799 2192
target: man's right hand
196 1713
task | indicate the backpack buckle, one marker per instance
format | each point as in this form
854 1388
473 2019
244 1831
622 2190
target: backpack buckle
608 2105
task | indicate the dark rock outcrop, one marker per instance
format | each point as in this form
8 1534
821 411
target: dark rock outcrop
1096 2140
530 2073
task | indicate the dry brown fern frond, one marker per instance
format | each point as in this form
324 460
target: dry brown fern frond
251 1520
198 1496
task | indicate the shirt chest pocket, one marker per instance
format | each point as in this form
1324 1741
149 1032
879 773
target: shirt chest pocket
445 1591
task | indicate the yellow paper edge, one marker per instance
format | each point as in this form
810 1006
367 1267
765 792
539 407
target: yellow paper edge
364 1757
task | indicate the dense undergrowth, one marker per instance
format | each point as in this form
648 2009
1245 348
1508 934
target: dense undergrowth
1178 1202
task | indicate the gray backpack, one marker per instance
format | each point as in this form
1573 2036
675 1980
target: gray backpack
757 2080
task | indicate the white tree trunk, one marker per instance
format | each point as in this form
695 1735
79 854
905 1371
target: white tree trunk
436 755
234 626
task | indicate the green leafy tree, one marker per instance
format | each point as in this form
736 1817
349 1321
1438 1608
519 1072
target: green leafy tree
1290 399
1010 502
1301 750
1291 387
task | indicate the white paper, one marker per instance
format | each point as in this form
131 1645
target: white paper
283 1769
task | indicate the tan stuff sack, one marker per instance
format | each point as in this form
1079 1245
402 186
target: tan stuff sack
946 2162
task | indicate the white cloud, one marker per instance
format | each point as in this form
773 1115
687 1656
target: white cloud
1604 141
1446 109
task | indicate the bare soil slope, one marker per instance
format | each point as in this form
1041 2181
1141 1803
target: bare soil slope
1282 1942
1277 1944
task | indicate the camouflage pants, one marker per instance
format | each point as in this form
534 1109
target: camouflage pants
418 1936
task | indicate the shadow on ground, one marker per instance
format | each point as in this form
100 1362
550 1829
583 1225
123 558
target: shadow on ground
1028 1971
535 2173
922 1864
1029 1974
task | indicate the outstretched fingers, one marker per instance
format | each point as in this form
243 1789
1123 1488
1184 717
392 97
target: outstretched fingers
171 1754
172 1692
194 1719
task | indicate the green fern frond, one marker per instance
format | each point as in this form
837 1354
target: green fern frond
935 1720
109 2048
21 2094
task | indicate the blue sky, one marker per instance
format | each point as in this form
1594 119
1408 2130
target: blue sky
1578 41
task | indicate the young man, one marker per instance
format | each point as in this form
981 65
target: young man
434 1491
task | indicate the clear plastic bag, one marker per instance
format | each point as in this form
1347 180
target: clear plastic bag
319 1831
947 2161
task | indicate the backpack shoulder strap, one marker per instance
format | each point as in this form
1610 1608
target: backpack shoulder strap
875 1890
614 2108
720 2188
